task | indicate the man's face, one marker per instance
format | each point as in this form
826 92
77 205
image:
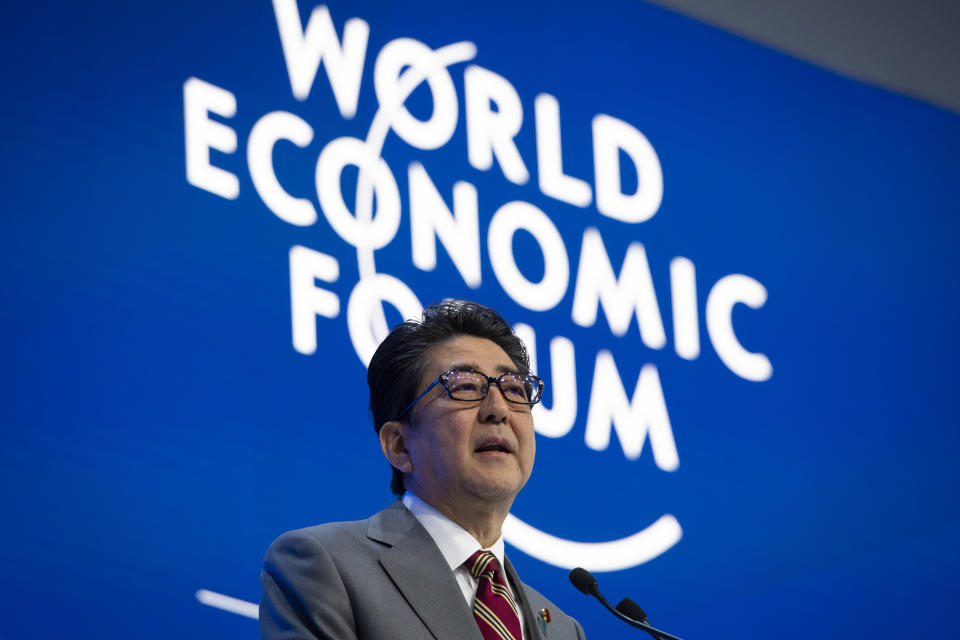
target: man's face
468 451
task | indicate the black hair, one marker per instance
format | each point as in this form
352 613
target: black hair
396 370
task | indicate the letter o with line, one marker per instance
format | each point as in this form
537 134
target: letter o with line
367 229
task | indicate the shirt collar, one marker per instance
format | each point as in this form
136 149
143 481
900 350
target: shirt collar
455 543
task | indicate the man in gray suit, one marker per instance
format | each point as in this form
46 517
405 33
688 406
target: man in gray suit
451 398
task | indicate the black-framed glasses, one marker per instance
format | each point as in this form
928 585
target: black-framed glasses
467 385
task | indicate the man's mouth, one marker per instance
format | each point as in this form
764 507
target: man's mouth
494 445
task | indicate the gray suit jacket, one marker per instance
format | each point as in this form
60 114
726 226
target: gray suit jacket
378 579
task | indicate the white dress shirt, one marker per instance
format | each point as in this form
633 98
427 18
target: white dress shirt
456 545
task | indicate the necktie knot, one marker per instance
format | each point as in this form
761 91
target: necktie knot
482 562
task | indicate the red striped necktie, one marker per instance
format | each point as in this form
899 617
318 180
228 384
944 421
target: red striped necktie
493 606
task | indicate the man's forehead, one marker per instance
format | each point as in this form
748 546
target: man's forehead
469 352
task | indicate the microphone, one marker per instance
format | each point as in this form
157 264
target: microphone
632 609
584 581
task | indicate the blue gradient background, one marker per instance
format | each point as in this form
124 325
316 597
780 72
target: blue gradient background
159 430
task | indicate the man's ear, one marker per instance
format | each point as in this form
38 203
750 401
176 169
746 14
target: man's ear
394 446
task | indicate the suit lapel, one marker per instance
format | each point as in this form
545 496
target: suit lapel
417 567
532 628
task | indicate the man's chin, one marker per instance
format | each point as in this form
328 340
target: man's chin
498 490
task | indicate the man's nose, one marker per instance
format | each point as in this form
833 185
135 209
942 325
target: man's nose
494 407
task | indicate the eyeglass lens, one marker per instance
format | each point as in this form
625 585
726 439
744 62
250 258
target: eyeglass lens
471 385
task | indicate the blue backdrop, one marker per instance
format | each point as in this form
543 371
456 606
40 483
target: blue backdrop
160 426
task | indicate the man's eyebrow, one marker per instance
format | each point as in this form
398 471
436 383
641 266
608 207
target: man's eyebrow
473 366
465 366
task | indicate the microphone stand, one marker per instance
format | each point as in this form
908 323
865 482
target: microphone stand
584 581
663 635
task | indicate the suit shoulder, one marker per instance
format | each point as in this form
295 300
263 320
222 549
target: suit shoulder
321 532
310 540
343 539
305 584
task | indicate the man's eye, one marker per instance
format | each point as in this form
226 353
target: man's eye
514 389
464 383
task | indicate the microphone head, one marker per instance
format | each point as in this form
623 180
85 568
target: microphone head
631 609
583 580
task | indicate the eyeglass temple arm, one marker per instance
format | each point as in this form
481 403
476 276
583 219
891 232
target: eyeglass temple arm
410 406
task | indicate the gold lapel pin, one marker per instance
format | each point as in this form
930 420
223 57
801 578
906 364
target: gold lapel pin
544 618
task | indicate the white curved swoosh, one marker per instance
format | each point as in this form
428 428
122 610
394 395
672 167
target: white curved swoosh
613 555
